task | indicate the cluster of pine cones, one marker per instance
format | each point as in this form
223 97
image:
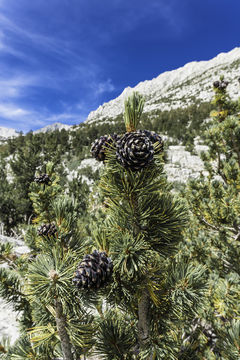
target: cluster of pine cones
47 229
93 271
42 179
99 146
134 150
221 85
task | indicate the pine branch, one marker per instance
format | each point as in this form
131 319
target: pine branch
133 111
7 255
209 225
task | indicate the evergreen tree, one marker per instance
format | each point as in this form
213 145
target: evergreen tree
8 212
59 324
154 291
131 268
214 236
23 166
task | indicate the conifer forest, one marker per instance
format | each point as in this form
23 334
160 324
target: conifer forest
121 263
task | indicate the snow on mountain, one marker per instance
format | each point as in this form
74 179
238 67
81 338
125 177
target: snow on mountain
52 127
178 88
7 133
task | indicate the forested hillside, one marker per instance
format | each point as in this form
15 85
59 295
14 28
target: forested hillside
22 156
177 106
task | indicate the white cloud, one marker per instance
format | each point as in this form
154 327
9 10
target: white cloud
6 48
102 87
10 111
20 118
16 86
46 44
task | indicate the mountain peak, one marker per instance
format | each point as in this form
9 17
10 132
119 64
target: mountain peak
6 133
52 127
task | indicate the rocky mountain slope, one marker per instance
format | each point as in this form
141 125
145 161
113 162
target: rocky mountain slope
178 88
53 127
6 133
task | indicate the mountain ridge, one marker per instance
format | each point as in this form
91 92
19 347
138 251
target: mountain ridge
6 133
177 88
52 127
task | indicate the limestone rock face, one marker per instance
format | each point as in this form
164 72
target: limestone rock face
6 133
182 165
8 321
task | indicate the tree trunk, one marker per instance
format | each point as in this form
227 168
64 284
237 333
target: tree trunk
62 331
143 319
144 302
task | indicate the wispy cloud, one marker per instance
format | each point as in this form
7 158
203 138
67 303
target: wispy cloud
45 65
20 118
10 111
42 43
25 120
102 87
16 86
56 59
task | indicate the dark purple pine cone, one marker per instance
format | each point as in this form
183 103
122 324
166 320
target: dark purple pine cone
47 229
223 85
93 271
99 146
155 138
134 150
216 84
42 179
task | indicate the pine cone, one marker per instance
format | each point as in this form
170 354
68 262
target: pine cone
216 84
134 150
42 179
155 138
223 85
100 145
47 229
211 336
93 271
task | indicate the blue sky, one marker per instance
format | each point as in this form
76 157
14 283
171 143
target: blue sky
61 59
